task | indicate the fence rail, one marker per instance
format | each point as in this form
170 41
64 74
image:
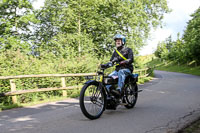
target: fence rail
142 73
47 75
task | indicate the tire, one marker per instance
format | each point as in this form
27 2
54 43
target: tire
131 95
91 97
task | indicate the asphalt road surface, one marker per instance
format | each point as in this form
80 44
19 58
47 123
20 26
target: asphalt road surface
167 103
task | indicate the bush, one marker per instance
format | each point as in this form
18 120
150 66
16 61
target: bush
17 63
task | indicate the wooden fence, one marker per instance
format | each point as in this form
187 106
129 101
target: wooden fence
142 73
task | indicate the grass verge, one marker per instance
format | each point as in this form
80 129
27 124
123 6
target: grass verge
35 102
175 67
192 128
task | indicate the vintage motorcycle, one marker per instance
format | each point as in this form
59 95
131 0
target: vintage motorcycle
95 97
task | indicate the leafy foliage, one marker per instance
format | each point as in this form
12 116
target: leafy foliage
17 63
185 49
191 37
67 37
98 21
16 18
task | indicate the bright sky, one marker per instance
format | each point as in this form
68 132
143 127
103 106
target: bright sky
38 3
174 22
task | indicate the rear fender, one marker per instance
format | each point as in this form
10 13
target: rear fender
135 77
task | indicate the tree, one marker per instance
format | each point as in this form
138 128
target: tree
192 37
15 20
187 48
98 21
162 51
177 51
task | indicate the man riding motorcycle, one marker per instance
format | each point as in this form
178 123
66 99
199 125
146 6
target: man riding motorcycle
124 57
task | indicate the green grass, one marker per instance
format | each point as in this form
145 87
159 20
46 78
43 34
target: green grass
175 67
35 102
141 61
193 128
5 107
181 69
144 80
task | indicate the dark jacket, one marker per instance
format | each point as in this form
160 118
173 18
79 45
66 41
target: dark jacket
128 54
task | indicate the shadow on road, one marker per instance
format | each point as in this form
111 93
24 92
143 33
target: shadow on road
14 119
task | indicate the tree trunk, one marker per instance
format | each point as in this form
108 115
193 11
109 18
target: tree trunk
79 34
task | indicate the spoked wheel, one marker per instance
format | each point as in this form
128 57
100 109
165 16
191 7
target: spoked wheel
131 95
92 101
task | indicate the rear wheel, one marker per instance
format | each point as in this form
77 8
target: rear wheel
92 101
131 95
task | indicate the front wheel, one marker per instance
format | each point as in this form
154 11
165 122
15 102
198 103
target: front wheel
92 100
131 95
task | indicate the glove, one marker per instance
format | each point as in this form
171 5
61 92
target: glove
103 66
115 60
122 63
107 65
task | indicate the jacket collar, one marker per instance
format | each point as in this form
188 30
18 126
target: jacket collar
120 48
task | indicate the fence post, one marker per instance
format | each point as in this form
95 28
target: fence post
13 88
63 85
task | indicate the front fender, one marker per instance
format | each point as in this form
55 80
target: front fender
93 82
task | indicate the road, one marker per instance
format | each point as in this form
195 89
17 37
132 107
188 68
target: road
167 103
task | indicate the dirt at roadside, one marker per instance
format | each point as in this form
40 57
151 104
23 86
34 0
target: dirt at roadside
193 128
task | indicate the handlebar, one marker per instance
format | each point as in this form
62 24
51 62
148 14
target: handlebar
107 65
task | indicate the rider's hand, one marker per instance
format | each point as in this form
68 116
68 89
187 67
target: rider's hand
107 65
115 60
103 65
123 63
